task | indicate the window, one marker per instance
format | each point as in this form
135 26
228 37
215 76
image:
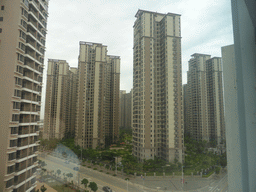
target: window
0 30
1 18
2 7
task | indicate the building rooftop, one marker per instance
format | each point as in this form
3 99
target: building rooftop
141 11
91 43
199 54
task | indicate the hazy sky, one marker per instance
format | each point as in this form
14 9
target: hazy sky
206 26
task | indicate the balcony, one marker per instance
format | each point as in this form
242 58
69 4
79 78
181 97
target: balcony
22 155
20 167
23 143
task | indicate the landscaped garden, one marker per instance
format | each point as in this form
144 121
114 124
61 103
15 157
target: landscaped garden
197 158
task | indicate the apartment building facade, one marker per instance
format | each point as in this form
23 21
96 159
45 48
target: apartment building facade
125 109
185 108
97 121
157 87
22 47
205 107
60 100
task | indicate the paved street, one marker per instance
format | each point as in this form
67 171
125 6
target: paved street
216 183
102 179
212 184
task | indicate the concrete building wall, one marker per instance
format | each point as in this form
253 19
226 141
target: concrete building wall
239 86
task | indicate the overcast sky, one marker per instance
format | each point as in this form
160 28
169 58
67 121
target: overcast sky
206 26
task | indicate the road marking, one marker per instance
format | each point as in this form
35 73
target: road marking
225 187
219 183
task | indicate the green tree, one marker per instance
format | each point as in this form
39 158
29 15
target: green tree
93 186
85 182
58 172
43 188
69 175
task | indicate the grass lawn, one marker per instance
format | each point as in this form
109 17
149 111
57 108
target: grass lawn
62 188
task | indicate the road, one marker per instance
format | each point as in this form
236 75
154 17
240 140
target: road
193 184
102 179
218 186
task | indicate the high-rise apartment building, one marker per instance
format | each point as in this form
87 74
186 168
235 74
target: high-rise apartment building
215 97
157 87
185 106
125 109
205 116
97 121
22 47
72 99
60 101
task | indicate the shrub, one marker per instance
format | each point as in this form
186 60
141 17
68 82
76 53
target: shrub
101 171
114 174
107 172
217 170
127 179
95 168
89 166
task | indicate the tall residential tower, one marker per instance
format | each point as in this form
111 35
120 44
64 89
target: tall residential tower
97 121
125 109
60 114
205 107
22 47
157 87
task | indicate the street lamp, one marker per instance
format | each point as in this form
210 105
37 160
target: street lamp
127 184
182 177
116 164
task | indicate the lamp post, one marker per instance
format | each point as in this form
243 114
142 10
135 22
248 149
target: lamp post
182 177
127 184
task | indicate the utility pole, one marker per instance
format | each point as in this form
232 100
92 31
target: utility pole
78 181
116 164
127 185
81 156
182 177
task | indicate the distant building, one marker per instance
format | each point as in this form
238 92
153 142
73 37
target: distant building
157 87
204 99
97 121
60 100
185 108
125 109
72 102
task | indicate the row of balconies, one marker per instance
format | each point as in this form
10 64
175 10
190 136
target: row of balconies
33 44
40 6
37 16
33 66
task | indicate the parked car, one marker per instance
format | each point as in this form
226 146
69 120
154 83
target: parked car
76 168
107 189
